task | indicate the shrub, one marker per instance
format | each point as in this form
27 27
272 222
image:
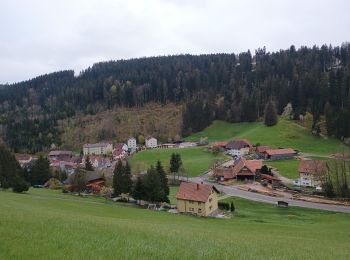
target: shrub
224 205
20 185
53 184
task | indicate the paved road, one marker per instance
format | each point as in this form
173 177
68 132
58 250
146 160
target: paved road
234 191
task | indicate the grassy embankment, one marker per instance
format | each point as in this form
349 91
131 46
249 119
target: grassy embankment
47 224
195 160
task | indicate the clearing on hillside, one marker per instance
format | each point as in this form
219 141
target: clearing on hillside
285 134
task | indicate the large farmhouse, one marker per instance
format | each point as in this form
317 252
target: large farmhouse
97 149
310 172
197 199
238 147
243 169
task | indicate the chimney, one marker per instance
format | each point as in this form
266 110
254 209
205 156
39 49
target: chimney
197 186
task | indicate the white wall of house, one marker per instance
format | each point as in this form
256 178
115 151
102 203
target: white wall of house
151 142
306 180
132 143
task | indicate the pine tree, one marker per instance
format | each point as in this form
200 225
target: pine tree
40 173
88 164
11 174
79 180
127 182
163 179
118 178
270 116
138 191
153 186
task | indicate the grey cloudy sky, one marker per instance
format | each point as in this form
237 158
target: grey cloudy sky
38 37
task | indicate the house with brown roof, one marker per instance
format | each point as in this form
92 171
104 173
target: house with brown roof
198 199
24 159
310 172
280 154
238 147
243 169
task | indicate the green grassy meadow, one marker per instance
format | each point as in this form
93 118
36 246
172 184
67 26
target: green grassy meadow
287 168
44 224
285 134
195 160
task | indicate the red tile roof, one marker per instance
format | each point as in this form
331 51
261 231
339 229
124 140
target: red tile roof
311 166
23 157
261 149
280 151
251 165
194 191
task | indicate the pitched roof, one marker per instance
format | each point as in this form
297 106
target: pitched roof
194 191
223 172
23 157
311 167
238 144
251 165
119 145
261 149
280 151
150 137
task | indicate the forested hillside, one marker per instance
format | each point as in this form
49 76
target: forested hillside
228 87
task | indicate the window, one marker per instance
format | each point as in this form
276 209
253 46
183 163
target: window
210 207
199 210
210 199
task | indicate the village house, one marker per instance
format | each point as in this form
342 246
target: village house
60 155
98 148
97 161
94 181
120 151
151 142
280 154
197 199
24 159
132 144
242 170
310 172
238 147
64 166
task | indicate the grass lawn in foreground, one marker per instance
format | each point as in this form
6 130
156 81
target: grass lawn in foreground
287 168
285 134
44 224
195 160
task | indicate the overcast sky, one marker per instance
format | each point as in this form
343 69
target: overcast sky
38 37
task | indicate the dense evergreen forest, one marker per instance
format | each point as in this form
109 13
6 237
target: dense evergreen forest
216 86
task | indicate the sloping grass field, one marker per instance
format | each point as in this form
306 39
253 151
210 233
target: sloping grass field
287 168
285 134
46 224
195 160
